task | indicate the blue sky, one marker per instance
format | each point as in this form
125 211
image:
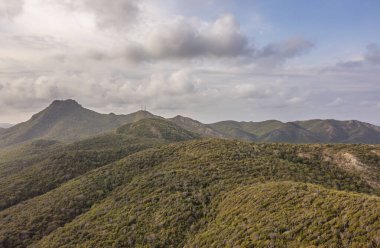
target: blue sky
207 59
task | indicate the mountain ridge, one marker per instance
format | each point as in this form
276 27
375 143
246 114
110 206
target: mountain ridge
68 121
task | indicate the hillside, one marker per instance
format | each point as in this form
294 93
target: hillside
333 131
195 126
312 131
66 121
310 216
180 195
40 166
157 128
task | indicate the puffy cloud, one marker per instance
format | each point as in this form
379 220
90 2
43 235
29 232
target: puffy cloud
277 53
160 90
117 14
185 38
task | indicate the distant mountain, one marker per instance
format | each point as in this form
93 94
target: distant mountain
5 125
66 121
196 127
311 131
333 131
157 128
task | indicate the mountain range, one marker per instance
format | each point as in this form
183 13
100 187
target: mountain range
148 181
66 120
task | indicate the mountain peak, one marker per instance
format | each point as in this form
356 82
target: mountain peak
67 102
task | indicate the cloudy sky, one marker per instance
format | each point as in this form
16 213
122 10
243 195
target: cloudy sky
208 59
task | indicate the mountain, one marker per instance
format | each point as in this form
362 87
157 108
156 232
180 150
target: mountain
333 131
66 121
144 181
311 131
196 127
292 133
208 193
157 128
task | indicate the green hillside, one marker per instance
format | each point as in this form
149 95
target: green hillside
289 214
311 131
154 182
37 171
157 129
197 127
333 131
169 196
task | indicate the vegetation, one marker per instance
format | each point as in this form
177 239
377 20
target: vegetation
66 121
288 214
36 174
311 131
172 196
154 183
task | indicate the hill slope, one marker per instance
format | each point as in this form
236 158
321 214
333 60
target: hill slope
157 128
44 165
333 131
289 214
312 131
168 196
66 121
196 127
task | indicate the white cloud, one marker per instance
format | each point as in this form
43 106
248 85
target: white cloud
184 38
277 53
10 9
117 55
118 14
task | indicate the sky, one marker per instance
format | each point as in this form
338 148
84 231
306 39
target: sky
212 60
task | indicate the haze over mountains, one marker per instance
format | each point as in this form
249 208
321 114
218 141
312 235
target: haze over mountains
67 120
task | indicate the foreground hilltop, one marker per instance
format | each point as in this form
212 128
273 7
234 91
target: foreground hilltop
68 121
196 193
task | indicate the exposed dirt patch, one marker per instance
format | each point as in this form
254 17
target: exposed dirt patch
350 163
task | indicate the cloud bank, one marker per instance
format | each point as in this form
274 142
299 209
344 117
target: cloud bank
116 55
